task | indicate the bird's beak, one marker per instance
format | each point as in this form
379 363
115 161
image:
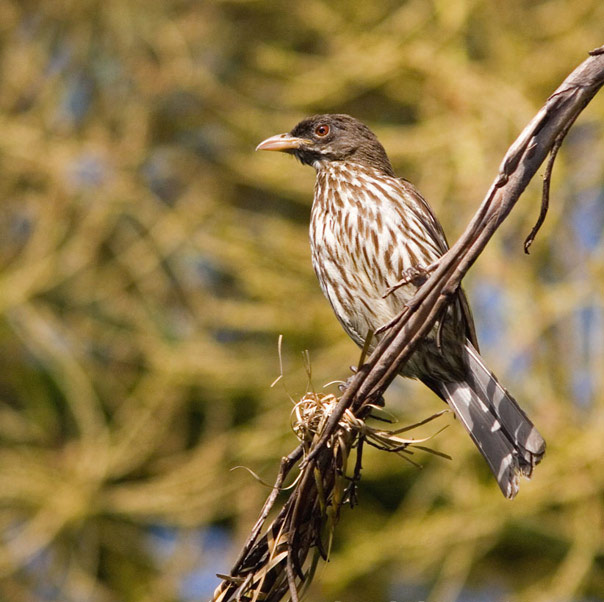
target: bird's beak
282 142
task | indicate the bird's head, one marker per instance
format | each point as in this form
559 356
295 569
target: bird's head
321 139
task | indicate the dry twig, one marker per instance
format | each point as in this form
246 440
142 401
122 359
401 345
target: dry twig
270 565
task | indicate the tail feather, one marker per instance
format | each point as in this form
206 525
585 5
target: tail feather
505 436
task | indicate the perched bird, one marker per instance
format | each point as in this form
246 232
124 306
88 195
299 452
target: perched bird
373 238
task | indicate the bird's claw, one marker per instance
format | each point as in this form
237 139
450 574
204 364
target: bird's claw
412 275
344 384
384 327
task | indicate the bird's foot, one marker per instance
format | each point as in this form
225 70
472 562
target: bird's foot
413 275
384 327
344 384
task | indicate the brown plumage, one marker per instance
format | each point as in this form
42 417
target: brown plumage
368 231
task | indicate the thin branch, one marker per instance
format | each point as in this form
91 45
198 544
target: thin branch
287 463
547 179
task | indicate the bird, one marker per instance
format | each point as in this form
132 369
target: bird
373 240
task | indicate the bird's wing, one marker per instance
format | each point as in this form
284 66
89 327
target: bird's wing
468 319
429 220
438 236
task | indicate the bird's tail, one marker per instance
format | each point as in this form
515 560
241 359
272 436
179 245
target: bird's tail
505 436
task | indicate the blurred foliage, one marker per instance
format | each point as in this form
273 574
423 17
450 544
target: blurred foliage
149 259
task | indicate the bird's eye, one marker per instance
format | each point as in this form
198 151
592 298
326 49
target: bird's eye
322 130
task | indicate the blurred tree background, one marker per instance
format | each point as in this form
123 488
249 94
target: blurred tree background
149 259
